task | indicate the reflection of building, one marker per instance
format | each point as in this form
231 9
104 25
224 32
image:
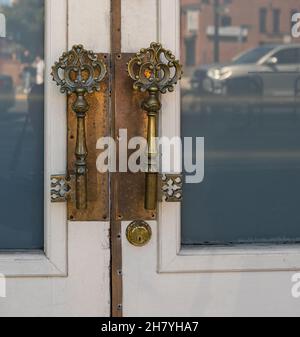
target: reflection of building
243 24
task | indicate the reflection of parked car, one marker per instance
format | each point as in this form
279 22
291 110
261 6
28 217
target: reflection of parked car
252 72
7 94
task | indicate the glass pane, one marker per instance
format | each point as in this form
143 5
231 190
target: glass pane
21 124
241 91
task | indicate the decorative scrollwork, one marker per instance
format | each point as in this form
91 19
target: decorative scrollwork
155 67
171 187
60 188
79 69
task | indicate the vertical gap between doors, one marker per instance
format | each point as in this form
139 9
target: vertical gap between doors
115 225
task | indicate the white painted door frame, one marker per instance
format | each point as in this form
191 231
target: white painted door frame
71 276
166 279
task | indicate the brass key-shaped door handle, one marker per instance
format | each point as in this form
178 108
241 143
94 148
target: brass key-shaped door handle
79 72
156 71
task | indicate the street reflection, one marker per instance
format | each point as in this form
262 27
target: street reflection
241 91
21 125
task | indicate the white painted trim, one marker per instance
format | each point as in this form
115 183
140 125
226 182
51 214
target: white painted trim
90 25
139 32
35 264
55 134
172 257
54 261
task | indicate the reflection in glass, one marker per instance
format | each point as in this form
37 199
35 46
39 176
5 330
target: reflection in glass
241 91
21 124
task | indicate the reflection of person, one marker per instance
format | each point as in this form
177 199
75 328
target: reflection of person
27 71
39 66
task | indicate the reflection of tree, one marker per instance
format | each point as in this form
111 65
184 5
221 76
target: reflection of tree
25 24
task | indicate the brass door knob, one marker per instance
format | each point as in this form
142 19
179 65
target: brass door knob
156 71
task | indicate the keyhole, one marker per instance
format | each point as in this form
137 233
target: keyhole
138 233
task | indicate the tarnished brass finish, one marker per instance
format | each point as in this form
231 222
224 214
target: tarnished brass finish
151 191
61 188
80 72
128 188
97 126
139 233
156 71
170 187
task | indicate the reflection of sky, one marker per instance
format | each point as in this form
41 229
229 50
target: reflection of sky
5 2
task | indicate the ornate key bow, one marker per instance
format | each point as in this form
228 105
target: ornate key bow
79 72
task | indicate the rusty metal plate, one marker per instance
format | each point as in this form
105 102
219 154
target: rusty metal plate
97 126
129 188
